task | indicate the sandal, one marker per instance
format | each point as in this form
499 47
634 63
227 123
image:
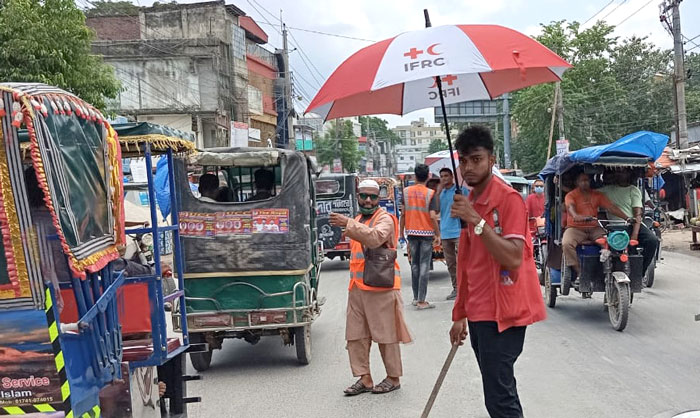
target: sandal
423 307
385 387
357 388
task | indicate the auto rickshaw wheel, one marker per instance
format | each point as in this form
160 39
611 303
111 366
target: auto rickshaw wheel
565 277
648 279
302 342
550 292
619 305
200 360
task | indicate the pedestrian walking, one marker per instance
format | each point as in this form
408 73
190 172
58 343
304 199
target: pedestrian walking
375 306
450 227
422 231
498 293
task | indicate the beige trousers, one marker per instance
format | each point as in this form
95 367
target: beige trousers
358 350
573 237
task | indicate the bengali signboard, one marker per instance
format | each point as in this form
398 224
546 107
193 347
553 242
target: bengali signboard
271 221
331 235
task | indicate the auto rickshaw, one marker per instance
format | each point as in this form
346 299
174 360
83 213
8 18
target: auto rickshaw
67 306
612 264
251 266
335 193
389 194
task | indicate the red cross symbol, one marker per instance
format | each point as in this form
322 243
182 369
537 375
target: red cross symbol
446 79
449 79
413 53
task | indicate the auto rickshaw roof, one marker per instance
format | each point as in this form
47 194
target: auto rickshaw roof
633 150
133 136
238 157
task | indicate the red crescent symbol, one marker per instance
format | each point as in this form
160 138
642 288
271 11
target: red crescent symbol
431 50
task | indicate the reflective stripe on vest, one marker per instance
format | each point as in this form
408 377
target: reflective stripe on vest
417 211
357 257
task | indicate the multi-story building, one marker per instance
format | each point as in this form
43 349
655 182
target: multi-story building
415 141
195 67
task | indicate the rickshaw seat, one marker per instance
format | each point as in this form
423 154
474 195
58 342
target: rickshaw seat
137 350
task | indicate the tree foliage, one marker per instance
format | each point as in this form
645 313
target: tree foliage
616 87
377 129
112 8
437 145
47 41
339 142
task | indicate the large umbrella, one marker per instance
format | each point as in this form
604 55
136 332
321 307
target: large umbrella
407 72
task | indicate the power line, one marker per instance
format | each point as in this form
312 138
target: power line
307 57
615 8
598 12
635 12
327 34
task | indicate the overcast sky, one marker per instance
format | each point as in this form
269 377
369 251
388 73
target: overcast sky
380 19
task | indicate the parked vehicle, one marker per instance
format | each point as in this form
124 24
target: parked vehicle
251 267
98 338
335 193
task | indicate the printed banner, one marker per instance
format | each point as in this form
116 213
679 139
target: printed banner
200 225
233 223
28 373
270 221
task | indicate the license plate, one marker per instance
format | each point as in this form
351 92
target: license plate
268 317
211 321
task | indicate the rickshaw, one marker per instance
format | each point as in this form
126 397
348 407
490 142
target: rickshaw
66 304
612 264
335 193
389 194
251 267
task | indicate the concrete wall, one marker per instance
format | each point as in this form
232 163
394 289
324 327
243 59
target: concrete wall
208 20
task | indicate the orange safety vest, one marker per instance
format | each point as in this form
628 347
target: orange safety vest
417 211
357 257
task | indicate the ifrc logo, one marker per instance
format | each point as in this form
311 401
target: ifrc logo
447 91
428 59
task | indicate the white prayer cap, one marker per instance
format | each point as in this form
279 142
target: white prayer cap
368 184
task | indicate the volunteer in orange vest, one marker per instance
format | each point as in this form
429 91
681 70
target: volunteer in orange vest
373 313
422 231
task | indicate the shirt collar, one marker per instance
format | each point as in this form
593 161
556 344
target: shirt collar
483 199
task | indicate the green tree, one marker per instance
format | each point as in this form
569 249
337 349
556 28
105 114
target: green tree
437 145
339 142
47 41
613 89
377 129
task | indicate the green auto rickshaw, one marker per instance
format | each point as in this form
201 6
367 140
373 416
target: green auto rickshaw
251 257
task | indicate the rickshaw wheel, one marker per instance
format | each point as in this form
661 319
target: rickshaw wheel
648 279
565 277
202 360
550 292
302 342
618 307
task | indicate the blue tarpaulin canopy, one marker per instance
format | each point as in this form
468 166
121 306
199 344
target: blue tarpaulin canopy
637 148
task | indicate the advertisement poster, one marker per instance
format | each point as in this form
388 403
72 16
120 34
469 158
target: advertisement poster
199 225
233 223
331 235
27 368
562 146
270 221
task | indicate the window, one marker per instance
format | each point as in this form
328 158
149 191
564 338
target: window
238 45
401 158
413 134
237 184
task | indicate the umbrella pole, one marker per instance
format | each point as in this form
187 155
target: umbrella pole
438 82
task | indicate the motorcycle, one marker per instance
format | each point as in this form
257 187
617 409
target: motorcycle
539 245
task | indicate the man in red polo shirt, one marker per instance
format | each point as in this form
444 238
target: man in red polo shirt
498 292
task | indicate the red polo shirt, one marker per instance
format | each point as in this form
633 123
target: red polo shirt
481 293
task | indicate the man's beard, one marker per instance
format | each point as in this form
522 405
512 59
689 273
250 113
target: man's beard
481 180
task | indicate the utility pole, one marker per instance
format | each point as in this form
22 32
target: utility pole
554 115
289 107
506 130
678 70
560 113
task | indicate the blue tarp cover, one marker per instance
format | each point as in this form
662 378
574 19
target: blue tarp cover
644 144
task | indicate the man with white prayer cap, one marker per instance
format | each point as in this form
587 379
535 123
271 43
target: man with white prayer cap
375 310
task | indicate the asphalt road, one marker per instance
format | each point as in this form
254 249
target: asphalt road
573 365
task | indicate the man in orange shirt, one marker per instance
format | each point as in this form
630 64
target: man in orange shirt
582 206
422 230
373 313
498 291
